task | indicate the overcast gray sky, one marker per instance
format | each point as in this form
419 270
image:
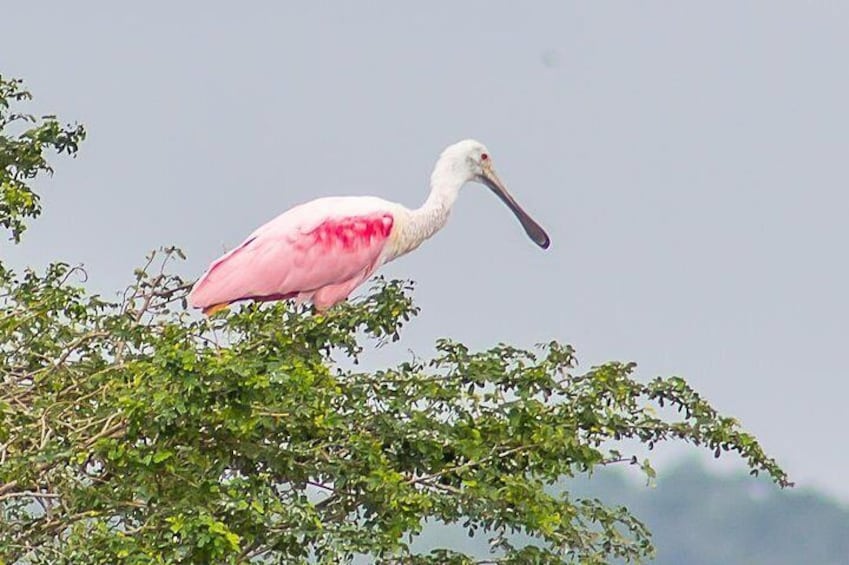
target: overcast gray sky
689 160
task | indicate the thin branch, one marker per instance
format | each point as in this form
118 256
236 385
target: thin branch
28 493
469 464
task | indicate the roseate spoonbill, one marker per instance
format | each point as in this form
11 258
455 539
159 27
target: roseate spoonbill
320 251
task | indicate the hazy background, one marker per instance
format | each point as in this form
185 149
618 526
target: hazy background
689 160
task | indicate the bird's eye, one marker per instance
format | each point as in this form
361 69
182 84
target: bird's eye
484 156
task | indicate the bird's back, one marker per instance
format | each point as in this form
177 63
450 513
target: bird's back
323 242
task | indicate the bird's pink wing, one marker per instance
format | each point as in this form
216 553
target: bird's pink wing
296 253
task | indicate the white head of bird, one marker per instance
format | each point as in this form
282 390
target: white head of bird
470 161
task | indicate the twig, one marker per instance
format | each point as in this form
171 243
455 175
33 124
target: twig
469 464
28 493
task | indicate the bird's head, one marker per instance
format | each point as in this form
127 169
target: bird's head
470 161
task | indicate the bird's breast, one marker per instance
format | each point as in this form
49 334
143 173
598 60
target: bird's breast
406 236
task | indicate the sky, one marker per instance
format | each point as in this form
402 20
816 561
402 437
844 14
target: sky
689 161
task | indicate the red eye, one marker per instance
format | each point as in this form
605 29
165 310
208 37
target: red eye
484 156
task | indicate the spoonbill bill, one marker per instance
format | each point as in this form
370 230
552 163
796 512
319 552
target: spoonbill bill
320 251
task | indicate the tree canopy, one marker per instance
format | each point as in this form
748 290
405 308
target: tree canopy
134 431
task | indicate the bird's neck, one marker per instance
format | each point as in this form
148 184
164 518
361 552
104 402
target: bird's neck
430 217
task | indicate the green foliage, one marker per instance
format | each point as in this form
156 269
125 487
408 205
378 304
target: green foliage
22 156
133 432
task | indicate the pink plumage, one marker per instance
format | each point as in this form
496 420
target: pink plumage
318 251
322 250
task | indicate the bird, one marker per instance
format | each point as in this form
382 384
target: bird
320 251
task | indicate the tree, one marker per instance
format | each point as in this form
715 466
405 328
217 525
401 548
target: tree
133 432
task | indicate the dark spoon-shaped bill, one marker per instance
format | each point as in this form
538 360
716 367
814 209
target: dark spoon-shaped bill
533 229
